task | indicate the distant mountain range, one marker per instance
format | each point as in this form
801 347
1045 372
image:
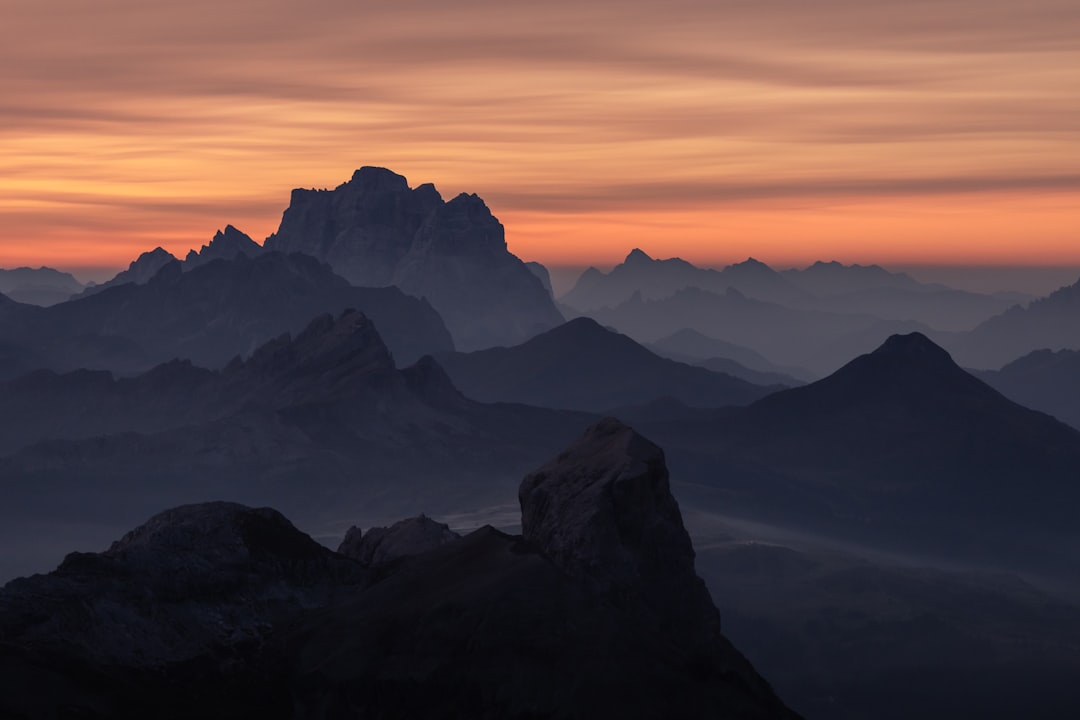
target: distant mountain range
815 340
1049 322
692 347
831 287
655 279
1045 380
583 366
210 315
38 286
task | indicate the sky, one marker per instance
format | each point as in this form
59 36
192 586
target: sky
905 133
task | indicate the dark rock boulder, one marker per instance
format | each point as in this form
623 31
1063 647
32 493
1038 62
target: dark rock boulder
603 512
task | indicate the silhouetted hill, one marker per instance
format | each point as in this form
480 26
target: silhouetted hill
213 313
583 366
38 286
595 612
1049 322
654 279
900 446
1044 380
375 231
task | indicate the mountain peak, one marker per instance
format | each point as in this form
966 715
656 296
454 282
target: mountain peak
914 347
637 256
371 178
603 510
329 348
226 244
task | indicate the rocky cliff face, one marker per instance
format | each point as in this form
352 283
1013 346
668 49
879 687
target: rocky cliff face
603 511
375 230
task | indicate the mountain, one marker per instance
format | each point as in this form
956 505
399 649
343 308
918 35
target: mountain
375 231
220 610
139 272
834 278
1049 322
942 309
901 447
692 347
226 244
654 279
38 286
319 424
818 341
213 313
583 366
1044 380
542 275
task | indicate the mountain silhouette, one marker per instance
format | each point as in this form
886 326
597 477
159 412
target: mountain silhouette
226 244
583 366
38 286
139 272
213 313
1049 322
654 279
834 278
692 347
902 446
818 341
314 423
375 231
1045 380
222 610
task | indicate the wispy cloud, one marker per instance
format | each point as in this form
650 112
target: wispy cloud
119 117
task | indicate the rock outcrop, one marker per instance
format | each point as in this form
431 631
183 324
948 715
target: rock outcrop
603 512
374 230
219 610
405 538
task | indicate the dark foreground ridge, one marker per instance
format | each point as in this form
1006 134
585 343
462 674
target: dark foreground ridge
219 610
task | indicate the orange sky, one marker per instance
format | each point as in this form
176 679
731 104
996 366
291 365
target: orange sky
891 132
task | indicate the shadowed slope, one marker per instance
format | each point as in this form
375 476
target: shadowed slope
583 366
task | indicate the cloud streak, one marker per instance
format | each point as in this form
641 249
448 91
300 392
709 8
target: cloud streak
118 115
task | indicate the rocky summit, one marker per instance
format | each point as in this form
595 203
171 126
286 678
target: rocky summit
219 610
375 231
603 511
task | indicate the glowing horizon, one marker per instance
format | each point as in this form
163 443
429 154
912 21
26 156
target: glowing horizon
903 134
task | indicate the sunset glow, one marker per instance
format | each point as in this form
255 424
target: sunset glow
916 132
